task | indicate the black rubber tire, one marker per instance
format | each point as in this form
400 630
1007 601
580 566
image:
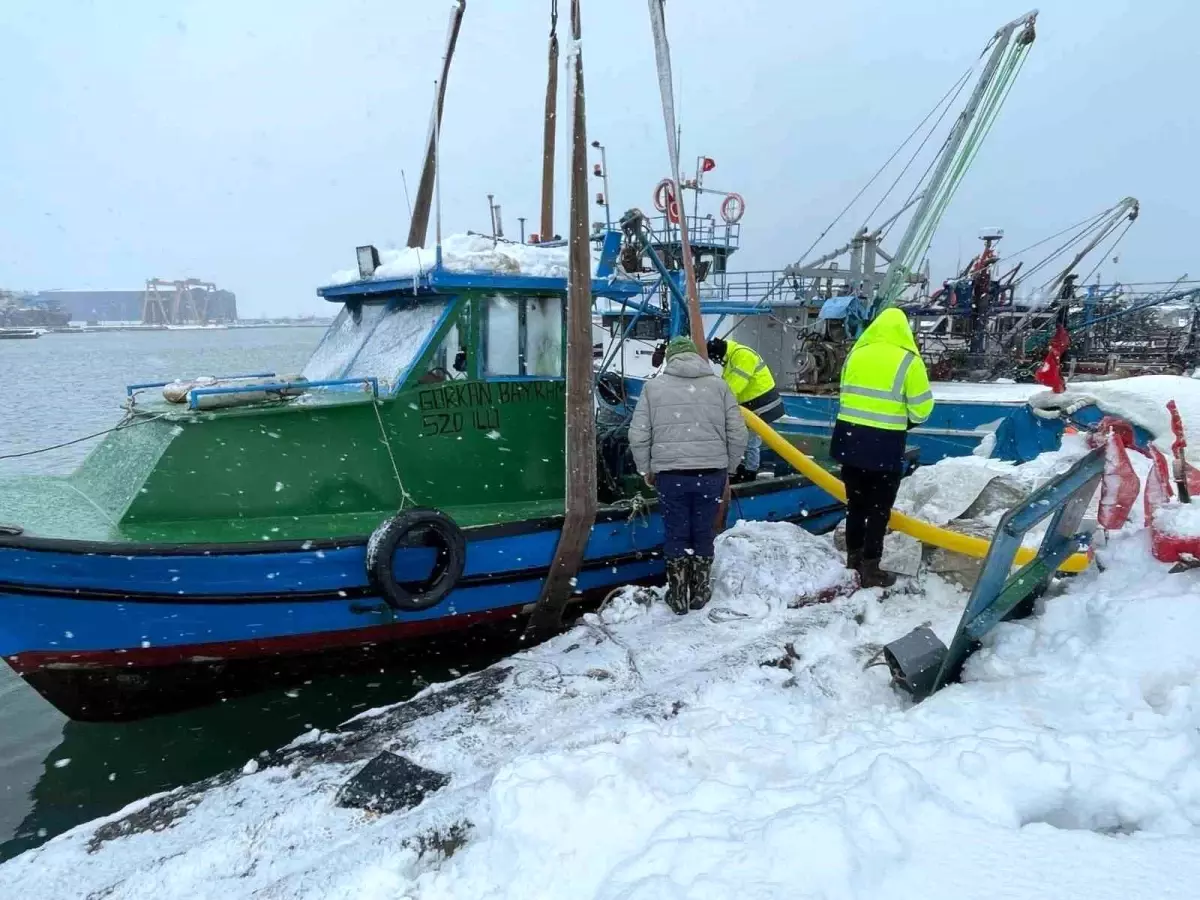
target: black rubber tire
451 558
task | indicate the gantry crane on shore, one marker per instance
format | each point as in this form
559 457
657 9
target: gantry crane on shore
180 302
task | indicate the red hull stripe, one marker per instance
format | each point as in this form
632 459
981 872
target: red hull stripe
138 657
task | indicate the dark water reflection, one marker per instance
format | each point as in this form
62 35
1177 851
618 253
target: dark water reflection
63 773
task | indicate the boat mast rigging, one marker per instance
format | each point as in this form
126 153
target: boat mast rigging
1009 47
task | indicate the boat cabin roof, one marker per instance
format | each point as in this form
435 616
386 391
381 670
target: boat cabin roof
443 281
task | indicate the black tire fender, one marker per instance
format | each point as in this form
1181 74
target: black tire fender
436 529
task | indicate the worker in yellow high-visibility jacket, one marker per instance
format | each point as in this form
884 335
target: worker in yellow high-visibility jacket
884 392
753 386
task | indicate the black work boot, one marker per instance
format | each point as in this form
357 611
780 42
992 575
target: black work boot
678 584
701 581
853 560
871 576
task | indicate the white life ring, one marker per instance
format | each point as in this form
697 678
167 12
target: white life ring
733 207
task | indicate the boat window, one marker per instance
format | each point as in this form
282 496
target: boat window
523 336
342 341
449 360
397 340
544 335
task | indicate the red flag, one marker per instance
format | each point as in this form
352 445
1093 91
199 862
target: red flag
1158 484
1177 428
708 164
1119 487
1049 372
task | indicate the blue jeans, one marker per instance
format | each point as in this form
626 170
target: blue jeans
689 504
753 456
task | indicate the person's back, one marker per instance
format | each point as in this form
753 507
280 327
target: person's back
687 404
752 383
884 391
687 435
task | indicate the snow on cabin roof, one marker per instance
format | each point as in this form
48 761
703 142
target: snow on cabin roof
466 253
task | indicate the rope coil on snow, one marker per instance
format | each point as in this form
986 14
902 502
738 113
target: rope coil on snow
1058 412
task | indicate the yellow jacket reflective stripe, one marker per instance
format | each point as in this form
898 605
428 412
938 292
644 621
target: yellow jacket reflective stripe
884 382
745 372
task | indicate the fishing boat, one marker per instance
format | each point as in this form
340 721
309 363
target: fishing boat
410 481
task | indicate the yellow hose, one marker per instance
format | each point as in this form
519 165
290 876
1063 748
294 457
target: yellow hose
924 532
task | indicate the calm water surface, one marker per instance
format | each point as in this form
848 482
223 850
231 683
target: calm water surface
54 773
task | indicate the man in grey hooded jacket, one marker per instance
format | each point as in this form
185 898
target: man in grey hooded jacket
687 435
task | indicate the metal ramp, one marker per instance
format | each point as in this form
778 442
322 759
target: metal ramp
919 662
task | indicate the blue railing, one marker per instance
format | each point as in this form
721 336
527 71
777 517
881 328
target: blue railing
283 388
131 389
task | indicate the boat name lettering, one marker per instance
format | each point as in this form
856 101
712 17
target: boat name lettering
455 396
441 423
529 391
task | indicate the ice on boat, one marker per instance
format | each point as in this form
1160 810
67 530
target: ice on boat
467 253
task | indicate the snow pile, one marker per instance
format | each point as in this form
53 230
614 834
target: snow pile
777 561
467 253
1179 519
970 494
744 751
1141 400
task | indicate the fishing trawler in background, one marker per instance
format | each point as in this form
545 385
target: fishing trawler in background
993 320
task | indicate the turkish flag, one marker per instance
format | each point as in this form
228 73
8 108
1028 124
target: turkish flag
708 164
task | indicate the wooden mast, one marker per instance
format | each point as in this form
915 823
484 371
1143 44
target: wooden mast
419 226
549 128
580 458
662 55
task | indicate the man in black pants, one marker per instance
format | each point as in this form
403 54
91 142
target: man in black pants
884 392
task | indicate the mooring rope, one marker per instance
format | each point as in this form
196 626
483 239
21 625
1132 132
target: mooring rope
387 443
120 426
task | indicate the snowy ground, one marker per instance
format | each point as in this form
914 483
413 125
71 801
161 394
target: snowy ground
745 751
643 755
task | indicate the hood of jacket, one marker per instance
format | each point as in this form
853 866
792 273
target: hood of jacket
687 365
889 327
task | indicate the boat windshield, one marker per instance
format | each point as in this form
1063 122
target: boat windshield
382 340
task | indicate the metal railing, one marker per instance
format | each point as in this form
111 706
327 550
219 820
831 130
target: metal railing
131 389
283 389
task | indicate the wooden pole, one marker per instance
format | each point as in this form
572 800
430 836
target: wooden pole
419 226
580 458
662 55
549 128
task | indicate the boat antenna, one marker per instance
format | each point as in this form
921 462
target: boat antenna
437 182
407 202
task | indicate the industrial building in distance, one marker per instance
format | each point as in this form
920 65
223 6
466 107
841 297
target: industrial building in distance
184 302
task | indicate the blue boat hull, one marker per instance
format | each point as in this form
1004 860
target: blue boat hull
107 632
956 427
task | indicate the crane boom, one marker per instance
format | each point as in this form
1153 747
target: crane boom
1008 46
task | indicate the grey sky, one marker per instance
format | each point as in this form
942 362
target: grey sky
256 143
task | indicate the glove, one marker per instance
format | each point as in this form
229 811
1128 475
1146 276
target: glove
660 353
